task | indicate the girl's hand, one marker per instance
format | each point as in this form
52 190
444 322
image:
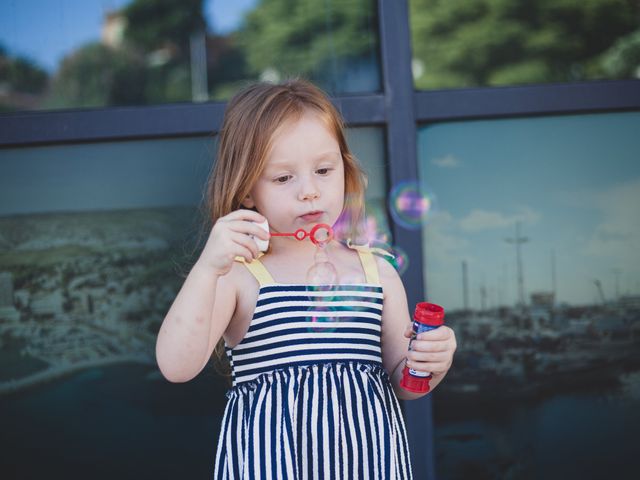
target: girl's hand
230 238
431 351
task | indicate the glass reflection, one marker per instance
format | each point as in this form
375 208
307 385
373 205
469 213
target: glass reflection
56 55
95 242
494 43
533 253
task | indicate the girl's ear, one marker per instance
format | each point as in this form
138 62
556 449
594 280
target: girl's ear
248 202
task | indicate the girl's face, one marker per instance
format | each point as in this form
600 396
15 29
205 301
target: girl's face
303 174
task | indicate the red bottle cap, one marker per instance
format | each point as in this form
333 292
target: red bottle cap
429 314
414 384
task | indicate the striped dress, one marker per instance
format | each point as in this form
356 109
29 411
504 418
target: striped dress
310 398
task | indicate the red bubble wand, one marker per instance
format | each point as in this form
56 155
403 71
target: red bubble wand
301 234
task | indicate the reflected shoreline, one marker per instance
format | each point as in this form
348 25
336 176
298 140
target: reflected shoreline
51 374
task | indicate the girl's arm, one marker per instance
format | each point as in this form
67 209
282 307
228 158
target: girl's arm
431 352
190 328
201 312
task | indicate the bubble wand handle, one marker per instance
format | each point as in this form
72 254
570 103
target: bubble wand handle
301 234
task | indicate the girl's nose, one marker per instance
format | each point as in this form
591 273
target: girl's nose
309 194
309 191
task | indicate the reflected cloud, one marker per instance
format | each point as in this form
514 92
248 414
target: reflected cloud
618 234
442 238
479 219
448 161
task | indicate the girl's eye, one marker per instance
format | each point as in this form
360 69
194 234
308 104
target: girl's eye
282 179
323 171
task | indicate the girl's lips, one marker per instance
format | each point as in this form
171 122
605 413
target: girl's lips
311 217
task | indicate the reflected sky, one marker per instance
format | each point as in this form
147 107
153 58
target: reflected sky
109 176
135 174
47 30
572 181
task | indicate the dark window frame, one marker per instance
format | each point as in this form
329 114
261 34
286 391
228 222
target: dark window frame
35 128
398 109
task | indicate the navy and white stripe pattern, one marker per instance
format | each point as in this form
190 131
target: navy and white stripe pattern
310 397
299 324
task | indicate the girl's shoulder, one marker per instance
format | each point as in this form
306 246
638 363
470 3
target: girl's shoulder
240 287
241 278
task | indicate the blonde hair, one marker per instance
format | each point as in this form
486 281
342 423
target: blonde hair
251 119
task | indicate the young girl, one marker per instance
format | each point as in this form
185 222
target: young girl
316 371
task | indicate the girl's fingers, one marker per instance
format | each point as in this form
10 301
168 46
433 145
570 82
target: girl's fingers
249 245
430 346
249 228
244 214
246 253
408 332
428 356
243 252
432 367
441 333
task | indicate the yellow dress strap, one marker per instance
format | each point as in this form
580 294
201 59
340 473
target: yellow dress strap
257 269
368 260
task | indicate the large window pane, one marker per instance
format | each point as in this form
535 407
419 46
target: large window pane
493 42
367 144
66 54
95 242
533 252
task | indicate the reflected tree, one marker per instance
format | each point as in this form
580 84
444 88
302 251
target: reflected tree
504 42
161 31
22 82
96 75
152 24
314 39
150 64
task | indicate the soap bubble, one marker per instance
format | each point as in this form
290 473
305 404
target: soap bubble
322 318
409 205
375 227
400 261
322 282
322 308
322 273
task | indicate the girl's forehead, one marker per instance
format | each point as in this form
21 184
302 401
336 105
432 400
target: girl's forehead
309 129
306 138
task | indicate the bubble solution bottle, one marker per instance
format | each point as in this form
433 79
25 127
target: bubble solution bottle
426 316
